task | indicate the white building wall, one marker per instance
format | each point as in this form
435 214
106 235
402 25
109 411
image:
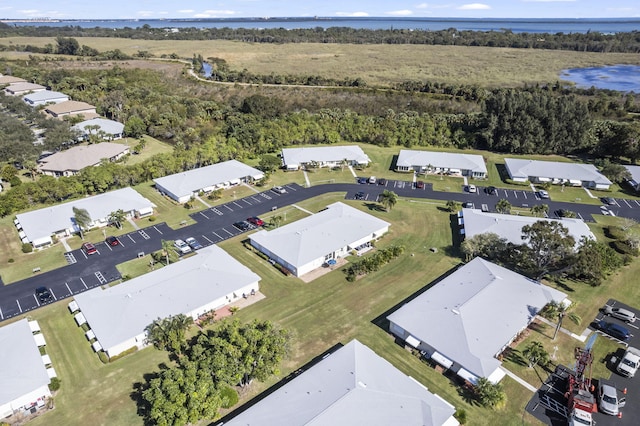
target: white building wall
138 341
25 400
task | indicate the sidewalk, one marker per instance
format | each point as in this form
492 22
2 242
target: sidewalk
519 380
65 244
135 226
300 208
353 172
202 201
306 178
582 337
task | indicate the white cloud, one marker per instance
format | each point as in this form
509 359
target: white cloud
422 6
547 1
352 14
186 11
145 13
29 11
404 12
474 6
214 13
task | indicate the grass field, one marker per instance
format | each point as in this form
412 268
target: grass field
379 65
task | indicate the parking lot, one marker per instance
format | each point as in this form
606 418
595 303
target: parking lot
549 401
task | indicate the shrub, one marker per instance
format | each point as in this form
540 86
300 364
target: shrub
15 181
229 397
615 232
102 355
123 354
152 219
54 384
188 205
623 247
461 416
11 260
27 248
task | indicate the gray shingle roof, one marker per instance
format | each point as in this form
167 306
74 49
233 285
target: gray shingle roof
450 160
70 107
352 386
312 237
78 157
555 170
122 312
471 314
297 156
21 367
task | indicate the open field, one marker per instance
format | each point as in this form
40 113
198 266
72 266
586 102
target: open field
378 65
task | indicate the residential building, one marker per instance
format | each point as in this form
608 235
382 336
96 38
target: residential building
451 163
23 374
39 225
106 129
309 243
193 286
9 79
508 226
350 386
72 108
634 182
570 174
466 320
44 97
69 162
22 88
182 186
324 156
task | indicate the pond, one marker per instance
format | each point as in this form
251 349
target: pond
206 69
623 78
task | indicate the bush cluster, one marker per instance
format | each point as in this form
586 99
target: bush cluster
372 263
123 354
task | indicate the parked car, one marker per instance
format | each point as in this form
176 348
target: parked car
543 194
468 205
242 225
372 179
614 330
620 313
628 365
89 248
420 184
181 247
44 295
491 190
255 221
472 188
359 195
279 190
382 181
112 241
608 201
608 401
362 180
193 243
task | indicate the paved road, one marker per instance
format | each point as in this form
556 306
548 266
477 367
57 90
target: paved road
216 224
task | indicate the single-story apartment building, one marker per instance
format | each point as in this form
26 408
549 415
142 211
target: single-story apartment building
474 222
45 97
182 186
39 225
69 162
71 108
9 79
350 386
23 374
193 286
466 320
634 182
22 88
324 156
559 173
309 243
452 163
109 129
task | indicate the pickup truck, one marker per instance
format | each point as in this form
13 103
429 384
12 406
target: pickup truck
629 363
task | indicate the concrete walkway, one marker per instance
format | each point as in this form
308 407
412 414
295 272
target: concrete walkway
519 380
197 197
300 208
135 226
353 172
65 244
250 187
306 178
589 192
581 338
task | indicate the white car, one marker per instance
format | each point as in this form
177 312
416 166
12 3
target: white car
181 247
471 188
372 179
279 190
543 194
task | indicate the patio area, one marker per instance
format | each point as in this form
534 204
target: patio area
324 269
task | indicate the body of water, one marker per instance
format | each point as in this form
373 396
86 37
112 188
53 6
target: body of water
606 26
623 78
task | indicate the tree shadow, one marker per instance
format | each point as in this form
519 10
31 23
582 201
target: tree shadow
375 207
143 408
540 328
560 282
514 356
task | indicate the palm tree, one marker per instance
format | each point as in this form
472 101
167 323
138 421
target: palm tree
535 353
388 199
276 221
166 246
82 218
559 310
540 210
168 333
117 217
32 168
503 206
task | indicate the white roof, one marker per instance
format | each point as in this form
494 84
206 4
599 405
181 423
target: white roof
450 160
471 314
555 170
79 157
635 173
21 367
45 96
43 222
186 183
122 312
510 226
352 386
297 156
110 127
315 236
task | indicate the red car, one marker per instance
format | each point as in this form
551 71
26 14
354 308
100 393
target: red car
255 221
419 184
112 241
89 248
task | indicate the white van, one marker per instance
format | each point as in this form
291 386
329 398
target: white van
372 179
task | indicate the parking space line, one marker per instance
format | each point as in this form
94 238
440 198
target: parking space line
120 241
68 288
159 231
100 277
19 307
53 294
132 240
230 209
227 232
84 284
144 234
84 254
36 299
244 199
262 194
237 204
291 188
627 203
216 211
515 194
205 216
1 314
638 203
108 246
257 200
525 194
506 194
217 235
205 237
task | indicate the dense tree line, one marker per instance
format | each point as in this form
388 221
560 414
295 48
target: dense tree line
584 42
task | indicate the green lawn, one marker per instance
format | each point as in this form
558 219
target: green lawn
153 147
166 210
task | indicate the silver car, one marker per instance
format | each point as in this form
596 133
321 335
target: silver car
608 399
620 313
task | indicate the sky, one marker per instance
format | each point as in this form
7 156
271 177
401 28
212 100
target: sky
158 9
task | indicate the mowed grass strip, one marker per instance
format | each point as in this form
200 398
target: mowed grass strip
377 64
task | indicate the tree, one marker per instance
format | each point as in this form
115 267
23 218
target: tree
615 172
32 167
503 206
487 245
82 219
8 172
276 221
67 46
593 261
489 394
540 210
558 310
548 247
117 217
388 199
169 333
453 206
269 163
135 127
535 353
167 247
